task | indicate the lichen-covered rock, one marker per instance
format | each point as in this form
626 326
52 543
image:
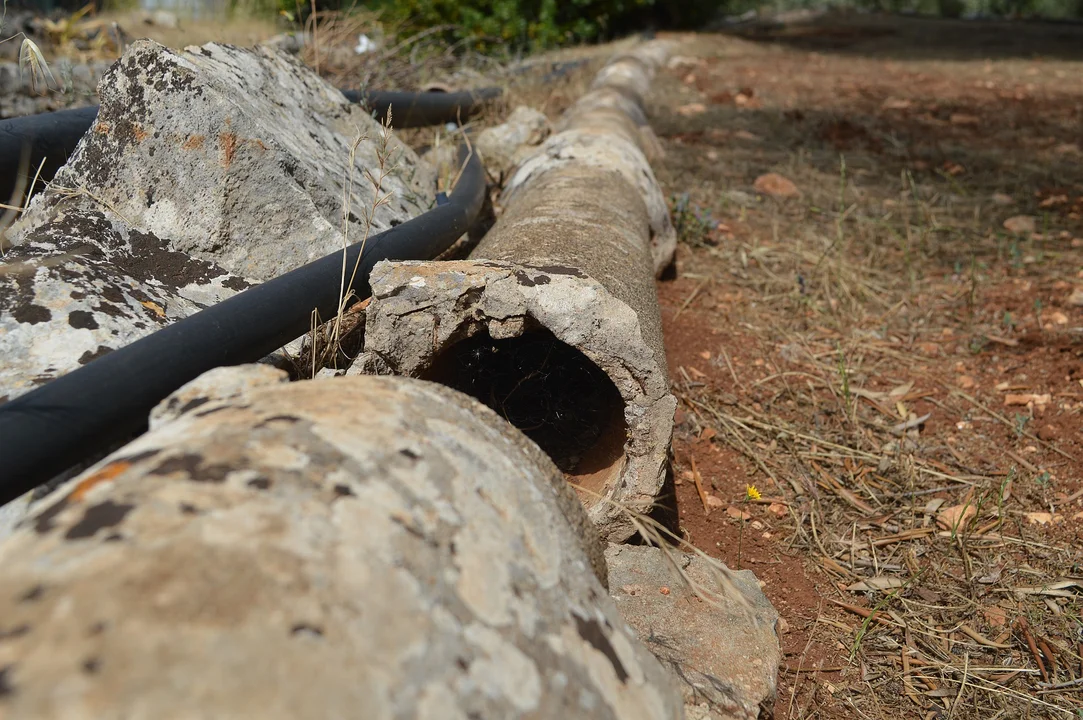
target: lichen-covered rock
86 284
353 547
234 156
720 642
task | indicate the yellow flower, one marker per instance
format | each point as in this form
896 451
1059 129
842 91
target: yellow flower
751 493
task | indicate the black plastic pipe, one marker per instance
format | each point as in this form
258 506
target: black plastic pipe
420 109
70 419
52 136
26 141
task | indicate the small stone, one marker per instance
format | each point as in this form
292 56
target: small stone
1021 224
692 109
1076 298
776 185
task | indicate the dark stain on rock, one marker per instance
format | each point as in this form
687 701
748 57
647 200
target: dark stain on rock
16 632
47 520
306 629
235 283
92 665
259 483
278 418
527 281
193 404
343 491
218 409
82 320
151 259
187 509
592 632
31 314
112 294
89 356
558 270
97 628
98 517
410 453
6 688
192 465
33 594
107 308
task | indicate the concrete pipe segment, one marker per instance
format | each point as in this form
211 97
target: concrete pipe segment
342 548
554 321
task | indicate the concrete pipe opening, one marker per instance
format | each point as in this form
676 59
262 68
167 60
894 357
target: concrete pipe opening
548 389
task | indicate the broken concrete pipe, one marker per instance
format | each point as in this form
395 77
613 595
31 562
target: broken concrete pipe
554 322
349 547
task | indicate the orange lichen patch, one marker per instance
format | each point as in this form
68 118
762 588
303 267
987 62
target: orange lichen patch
140 133
106 474
227 141
103 128
195 142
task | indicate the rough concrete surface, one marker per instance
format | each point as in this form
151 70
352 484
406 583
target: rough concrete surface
351 547
504 146
419 310
724 653
607 129
234 156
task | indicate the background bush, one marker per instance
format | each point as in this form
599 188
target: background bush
536 24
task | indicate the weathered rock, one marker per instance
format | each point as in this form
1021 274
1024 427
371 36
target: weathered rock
721 644
504 146
86 284
421 312
234 156
203 168
354 547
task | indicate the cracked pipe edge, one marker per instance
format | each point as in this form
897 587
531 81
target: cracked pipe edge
375 546
421 309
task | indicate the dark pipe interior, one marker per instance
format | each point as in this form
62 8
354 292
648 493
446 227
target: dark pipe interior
546 388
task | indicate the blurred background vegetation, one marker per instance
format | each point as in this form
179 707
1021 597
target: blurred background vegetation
524 25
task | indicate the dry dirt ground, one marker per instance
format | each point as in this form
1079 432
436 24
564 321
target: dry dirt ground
885 339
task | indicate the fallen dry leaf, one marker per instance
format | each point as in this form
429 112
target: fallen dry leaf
1076 298
1002 199
714 502
1066 149
1058 318
956 517
746 135
775 185
876 583
1021 224
1040 518
965 382
1027 399
995 616
692 109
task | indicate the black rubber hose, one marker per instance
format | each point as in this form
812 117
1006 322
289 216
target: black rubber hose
68 420
26 141
420 109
